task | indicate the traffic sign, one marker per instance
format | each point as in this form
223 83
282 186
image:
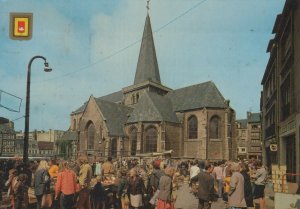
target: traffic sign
273 147
20 26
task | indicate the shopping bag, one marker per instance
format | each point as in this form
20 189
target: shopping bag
47 201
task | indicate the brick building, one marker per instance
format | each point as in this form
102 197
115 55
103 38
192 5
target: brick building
147 117
7 137
280 99
41 143
248 136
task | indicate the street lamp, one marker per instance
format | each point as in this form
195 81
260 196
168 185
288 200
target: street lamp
27 108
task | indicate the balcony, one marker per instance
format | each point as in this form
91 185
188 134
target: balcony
270 131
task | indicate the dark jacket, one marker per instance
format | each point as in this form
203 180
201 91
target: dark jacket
98 192
122 187
247 189
155 177
41 182
136 186
165 188
206 186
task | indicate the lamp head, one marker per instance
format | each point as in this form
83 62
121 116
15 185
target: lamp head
47 68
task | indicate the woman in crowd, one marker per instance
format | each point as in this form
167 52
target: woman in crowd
122 188
165 199
227 178
10 183
261 176
21 192
136 189
53 169
41 182
247 185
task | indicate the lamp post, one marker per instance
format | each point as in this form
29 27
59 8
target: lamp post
27 108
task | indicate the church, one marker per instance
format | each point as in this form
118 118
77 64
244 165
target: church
147 117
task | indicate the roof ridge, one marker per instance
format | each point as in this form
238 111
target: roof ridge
193 85
113 103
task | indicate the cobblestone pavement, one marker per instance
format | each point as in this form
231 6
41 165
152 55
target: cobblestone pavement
186 200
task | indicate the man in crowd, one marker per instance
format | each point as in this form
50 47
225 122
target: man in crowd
66 187
107 167
194 170
85 176
218 171
236 195
206 186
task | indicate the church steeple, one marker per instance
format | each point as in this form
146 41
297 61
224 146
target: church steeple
147 67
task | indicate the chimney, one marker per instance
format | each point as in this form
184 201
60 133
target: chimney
248 114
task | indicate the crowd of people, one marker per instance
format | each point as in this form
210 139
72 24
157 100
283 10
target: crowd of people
130 183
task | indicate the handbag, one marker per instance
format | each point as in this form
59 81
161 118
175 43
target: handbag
126 200
164 205
47 201
225 196
153 200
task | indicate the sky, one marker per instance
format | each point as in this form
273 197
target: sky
93 48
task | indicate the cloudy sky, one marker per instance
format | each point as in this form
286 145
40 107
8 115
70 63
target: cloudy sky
93 48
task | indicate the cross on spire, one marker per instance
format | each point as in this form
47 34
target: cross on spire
148 7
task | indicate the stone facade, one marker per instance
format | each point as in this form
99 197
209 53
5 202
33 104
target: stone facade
148 117
248 135
280 98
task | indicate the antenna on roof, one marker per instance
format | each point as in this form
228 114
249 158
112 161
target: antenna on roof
148 7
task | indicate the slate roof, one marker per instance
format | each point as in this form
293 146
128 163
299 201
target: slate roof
69 135
254 118
80 109
153 107
243 123
45 145
147 67
113 97
197 96
115 116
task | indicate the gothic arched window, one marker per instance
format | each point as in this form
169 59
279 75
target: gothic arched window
151 140
133 140
114 147
192 127
90 136
214 127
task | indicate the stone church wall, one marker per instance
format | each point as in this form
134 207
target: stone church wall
173 138
195 148
101 140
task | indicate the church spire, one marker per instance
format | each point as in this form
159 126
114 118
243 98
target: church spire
147 67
